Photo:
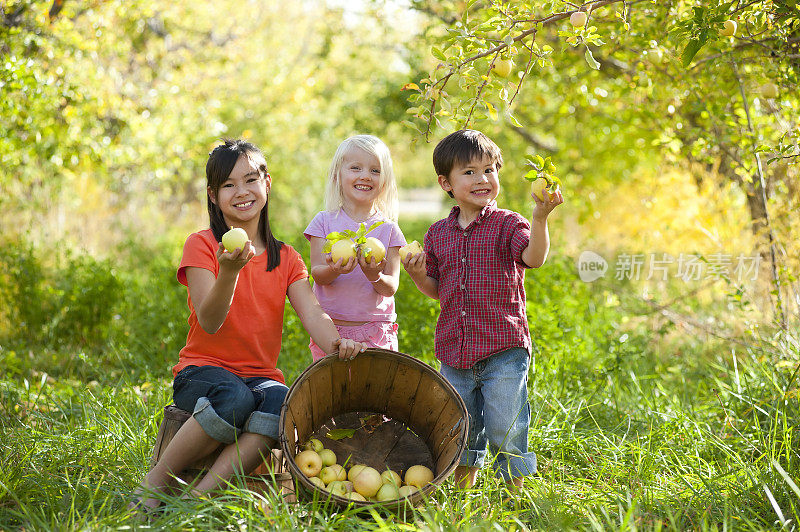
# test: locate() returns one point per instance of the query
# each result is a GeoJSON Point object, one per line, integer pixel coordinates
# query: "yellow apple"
{"type": "Point", "coordinates": [418, 475]}
{"type": "Point", "coordinates": [317, 482]}
{"type": "Point", "coordinates": [234, 239]}
{"type": "Point", "coordinates": [328, 457]}
{"type": "Point", "coordinates": [387, 492]}
{"type": "Point", "coordinates": [769, 90]}
{"type": "Point", "coordinates": [341, 474]}
{"type": "Point", "coordinates": [313, 444]}
{"type": "Point", "coordinates": [537, 185]}
{"type": "Point", "coordinates": [355, 496]}
{"type": "Point", "coordinates": [502, 67]}
{"type": "Point", "coordinates": [414, 248]}
{"type": "Point", "coordinates": [391, 477]}
{"type": "Point", "coordinates": [373, 248]}
{"type": "Point", "coordinates": [309, 462]}
{"type": "Point", "coordinates": [407, 491]}
{"type": "Point", "coordinates": [578, 19]}
{"type": "Point", "coordinates": [343, 250]}
{"type": "Point", "coordinates": [354, 471]}
{"type": "Point", "coordinates": [367, 482]}
{"type": "Point", "coordinates": [728, 29]}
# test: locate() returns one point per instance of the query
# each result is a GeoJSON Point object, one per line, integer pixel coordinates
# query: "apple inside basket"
{"type": "Point", "coordinates": [383, 409]}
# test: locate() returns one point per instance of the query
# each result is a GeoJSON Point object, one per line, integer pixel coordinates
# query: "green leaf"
{"type": "Point", "coordinates": [691, 49]}
{"type": "Point", "coordinates": [591, 60]}
{"type": "Point", "coordinates": [338, 434]}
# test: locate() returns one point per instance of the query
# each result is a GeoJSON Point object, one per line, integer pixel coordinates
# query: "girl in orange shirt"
{"type": "Point", "coordinates": [227, 373]}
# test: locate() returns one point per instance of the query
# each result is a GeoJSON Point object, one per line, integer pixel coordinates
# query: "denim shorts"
{"type": "Point", "coordinates": [226, 405]}
{"type": "Point", "coordinates": [373, 333]}
{"type": "Point", "coordinates": [495, 391]}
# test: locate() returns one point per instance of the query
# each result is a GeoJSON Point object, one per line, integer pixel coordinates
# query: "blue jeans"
{"type": "Point", "coordinates": [225, 405]}
{"type": "Point", "coordinates": [495, 391]}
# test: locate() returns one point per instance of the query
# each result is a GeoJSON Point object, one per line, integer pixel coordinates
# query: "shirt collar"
{"type": "Point", "coordinates": [452, 219]}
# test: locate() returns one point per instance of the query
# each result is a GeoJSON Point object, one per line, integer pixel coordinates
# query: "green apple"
{"type": "Point", "coordinates": [388, 492]}
{"type": "Point", "coordinates": [317, 482]}
{"type": "Point", "coordinates": [337, 487]}
{"type": "Point", "coordinates": [418, 475]}
{"type": "Point", "coordinates": [234, 239]}
{"type": "Point", "coordinates": [343, 250]}
{"type": "Point", "coordinates": [309, 462]}
{"type": "Point", "coordinates": [328, 457]}
{"type": "Point", "coordinates": [578, 19]}
{"type": "Point", "coordinates": [328, 475]}
{"type": "Point", "coordinates": [313, 444]}
{"type": "Point", "coordinates": [373, 248]}
{"type": "Point", "coordinates": [502, 67]}
{"type": "Point", "coordinates": [341, 474]}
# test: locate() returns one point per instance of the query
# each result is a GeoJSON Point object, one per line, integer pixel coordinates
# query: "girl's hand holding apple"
{"type": "Point", "coordinates": [371, 268]}
{"type": "Point", "coordinates": [341, 266]}
{"type": "Point", "coordinates": [236, 259]}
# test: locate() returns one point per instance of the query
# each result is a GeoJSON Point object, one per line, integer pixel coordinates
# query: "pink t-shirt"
{"type": "Point", "coordinates": [351, 296]}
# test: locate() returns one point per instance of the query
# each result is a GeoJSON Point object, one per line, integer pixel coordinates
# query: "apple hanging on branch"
{"type": "Point", "coordinates": [542, 177]}
{"type": "Point", "coordinates": [344, 245]}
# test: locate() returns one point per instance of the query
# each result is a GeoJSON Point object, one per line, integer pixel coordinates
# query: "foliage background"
{"type": "Point", "coordinates": [656, 403]}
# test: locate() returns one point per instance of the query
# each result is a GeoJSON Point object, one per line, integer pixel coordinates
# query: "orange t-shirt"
{"type": "Point", "coordinates": [249, 341]}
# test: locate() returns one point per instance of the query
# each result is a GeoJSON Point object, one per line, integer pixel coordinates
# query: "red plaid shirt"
{"type": "Point", "coordinates": [481, 293]}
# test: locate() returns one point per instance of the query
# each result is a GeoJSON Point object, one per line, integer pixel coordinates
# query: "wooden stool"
{"type": "Point", "coordinates": [270, 472]}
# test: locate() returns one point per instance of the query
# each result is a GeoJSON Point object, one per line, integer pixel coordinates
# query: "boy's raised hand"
{"type": "Point", "coordinates": [543, 207]}
{"type": "Point", "coordinates": [348, 349]}
{"type": "Point", "coordinates": [237, 258]}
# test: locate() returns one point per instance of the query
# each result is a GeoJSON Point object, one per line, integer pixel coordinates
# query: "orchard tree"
{"type": "Point", "coordinates": [700, 84]}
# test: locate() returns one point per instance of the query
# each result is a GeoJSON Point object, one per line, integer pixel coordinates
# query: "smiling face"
{"type": "Point", "coordinates": [360, 178]}
{"type": "Point", "coordinates": [242, 196]}
{"type": "Point", "coordinates": [474, 184]}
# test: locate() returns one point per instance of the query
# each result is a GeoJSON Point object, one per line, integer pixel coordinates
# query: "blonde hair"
{"type": "Point", "coordinates": [387, 201]}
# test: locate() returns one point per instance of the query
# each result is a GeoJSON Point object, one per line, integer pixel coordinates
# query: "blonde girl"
{"type": "Point", "coordinates": [358, 293]}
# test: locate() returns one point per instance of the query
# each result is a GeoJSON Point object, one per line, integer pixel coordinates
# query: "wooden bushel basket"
{"type": "Point", "coordinates": [420, 418]}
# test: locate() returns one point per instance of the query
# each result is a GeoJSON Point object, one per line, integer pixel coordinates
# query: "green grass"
{"type": "Point", "coordinates": [637, 424]}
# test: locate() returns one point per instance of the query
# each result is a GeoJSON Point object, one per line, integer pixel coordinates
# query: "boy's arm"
{"type": "Point", "coordinates": [535, 253]}
{"type": "Point", "coordinates": [416, 266]}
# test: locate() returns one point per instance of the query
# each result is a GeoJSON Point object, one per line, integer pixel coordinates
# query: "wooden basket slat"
{"type": "Point", "coordinates": [384, 379]}
{"type": "Point", "coordinates": [302, 412]}
{"type": "Point", "coordinates": [448, 431]}
{"type": "Point", "coordinates": [404, 390]}
{"type": "Point", "coordinates": [360, 384]}
{"type": "Point", "coordinates": [321, 397]}
{"type": "Point", "coordinates": [430, 401]}
{"type": "Point", "coordinates": [340, 378]}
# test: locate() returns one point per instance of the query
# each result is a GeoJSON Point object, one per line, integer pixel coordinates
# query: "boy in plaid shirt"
{"type": "Point", "coordinates": [474, 264]}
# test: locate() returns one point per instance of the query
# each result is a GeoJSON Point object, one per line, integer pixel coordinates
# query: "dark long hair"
{"type": "Point", "coordinates": [220, 163]}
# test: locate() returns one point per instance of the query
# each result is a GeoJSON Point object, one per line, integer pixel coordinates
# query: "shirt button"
{"type": "Point", "coordinates": [463, 312]}
{"type": "Point", "coordinates": [463, 259]}
{"type": "Point", "coordinates": [462, 286]}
